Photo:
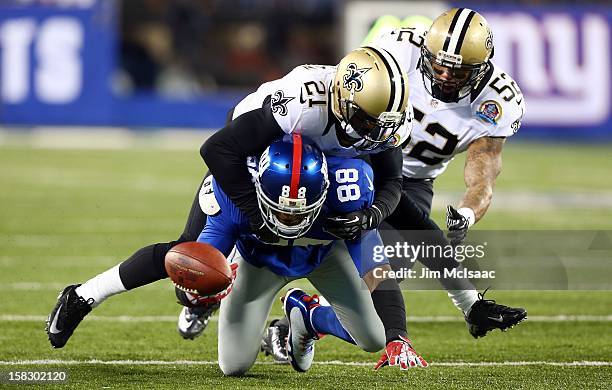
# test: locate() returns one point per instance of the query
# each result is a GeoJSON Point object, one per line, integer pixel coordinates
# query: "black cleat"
{"type": "Point", "coordinates": [66, 316]}
{"type": "Point", "coordinates": [486, 315]}
{"type": "Point", "coordinates": [274, 341]}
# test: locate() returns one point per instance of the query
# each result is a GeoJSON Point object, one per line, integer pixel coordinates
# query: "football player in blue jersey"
{"type": "Point", "coordinates": [358, 107]}
{"type": "Point", "coordinates": [291, 182]}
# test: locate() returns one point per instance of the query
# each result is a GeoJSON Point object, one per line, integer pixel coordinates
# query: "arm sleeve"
{"type": "Point", "coordinates": [387, 167]}
{"type": "Point", "coordinates": [225, 154]}
{"type": "Point", "coordinates": [220, 233]}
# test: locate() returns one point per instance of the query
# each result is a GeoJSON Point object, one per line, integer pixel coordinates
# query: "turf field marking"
{"type": "Point", "coordinates": [56, 286]}
{"type": "Point", "coordinates": [51, 362]}
{"type": "Point", "coordinates": [557, 318]}
{"type": "Point", "coordinates": [20, 286]}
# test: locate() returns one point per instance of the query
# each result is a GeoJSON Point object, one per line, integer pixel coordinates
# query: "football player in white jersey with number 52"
{"type": "Point", "coordinates": [462, 102]}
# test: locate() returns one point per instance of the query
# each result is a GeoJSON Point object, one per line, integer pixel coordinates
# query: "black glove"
{"type": "Point", "coordinates": [457, 225]}
{"type": "Point", "coordinates": [349, 226]}
{"type": "Point", "coordinates": [263, 234]}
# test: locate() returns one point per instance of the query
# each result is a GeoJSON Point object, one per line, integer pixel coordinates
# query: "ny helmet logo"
{"type": "Point", "coordinates": [353, 79]}
{"type": "Point", "coordinates": [279, 102]}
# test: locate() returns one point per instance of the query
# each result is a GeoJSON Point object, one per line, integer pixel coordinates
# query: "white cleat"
{"type": "Point", "coordinates": [301, 339]}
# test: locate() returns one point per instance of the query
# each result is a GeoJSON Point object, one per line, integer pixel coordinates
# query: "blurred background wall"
{"type": "Point", "coordinates": [184, 63]}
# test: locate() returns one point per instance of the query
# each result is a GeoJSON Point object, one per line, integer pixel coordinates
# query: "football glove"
{"type": "Point", "coordinates": [400, 353]}
{"type": "Point", "coordinates": [349, 226]}
{"type": "Point", "coordinates": [458, 222]}
{"type": "Point", "coordinates": [195, 300]}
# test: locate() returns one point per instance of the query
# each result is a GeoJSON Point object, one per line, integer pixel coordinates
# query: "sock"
{"type": "Point", "coordinates": [389, 304]}
{"type": "Point", "coordinates": [102, 286]}
{"type": "Point", "coordinates": [325, 321]}
{"type": "Point", "coordinates": [463, 299]}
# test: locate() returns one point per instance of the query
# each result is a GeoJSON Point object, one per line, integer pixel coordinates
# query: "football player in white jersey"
{"type": "Point", "coordinates": [462, 102]}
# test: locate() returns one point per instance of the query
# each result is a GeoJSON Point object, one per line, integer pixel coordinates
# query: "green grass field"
{"type": "Point", "coordinates": [66, 215]}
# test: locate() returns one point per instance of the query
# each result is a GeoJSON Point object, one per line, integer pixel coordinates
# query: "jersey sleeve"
{"type": "Point", "coordinates": [351, 188]}
{"type": "Point", "coordinates": [500, 106]}
{"type": "Point", "coordinates": [218, 233]}
{"type": "Point", "coordinates": [351, 185]}
{"type": "Point", "coordinates": [299, 100]}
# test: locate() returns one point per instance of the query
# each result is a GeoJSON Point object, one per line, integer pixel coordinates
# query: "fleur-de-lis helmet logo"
{"type": "Point", "coordinates": [353, 78]}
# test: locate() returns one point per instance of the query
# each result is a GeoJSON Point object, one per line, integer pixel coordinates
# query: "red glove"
{"type": "Point", "coordinates": [400, 353]}
{"type": "Point", "coordinates": [201, 300]}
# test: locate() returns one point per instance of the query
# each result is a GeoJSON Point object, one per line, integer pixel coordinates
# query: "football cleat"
{"type": "Point", "coordinates": [66, 315]}
{"type": "Point", "coordinates": [486, 315]}
{"type": "Point", "coordinates": [193, 320]}
{"type": "Point", "coordinates": [274, 341]}
{"type": "Point", "coordinates": [301, 338]}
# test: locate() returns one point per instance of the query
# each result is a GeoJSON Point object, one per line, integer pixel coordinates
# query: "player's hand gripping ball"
{"type": "Point", "coordinates": [198, 268]}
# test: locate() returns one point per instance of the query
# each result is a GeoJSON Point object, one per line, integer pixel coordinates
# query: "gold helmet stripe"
{"type": "Point", "coordinates": [457, 30]}
{"type": "Point", "coordinates": [396, 80]}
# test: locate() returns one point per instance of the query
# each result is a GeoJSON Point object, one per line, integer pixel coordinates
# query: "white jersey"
{"type": "Point", "coordinates": [300, 102]}
{"type": "Point", "coordinates": [442, 130]}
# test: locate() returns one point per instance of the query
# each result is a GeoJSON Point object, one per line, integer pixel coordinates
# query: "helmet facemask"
{"type": "Point", "coordinates": [463, 77]}
{"type": "Point", "coordinates": [288, 218]}
{"type": "Point", "coordinates": [367, 131]}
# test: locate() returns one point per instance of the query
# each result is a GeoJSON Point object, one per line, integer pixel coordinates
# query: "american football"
{"type": "Point", "coordinates": [198, 268]}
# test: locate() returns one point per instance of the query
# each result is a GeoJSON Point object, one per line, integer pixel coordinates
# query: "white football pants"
{"type": "Point", "coordinates": [243, 313]}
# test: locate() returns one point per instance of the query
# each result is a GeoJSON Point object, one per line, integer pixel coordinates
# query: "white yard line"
{"type": "Point", "coordinates": [52, 362]}
{"type": "Point", "coordinates": [21, 286]}
{"type": "Point", "coordinates": [458, 318]}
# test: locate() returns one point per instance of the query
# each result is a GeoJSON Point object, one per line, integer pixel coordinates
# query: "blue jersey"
{"type": "Point", "coordinates": [351, 189]}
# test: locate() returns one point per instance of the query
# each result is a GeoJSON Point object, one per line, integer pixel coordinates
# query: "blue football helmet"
{"type": "Point", "coordinates": [291, 185]}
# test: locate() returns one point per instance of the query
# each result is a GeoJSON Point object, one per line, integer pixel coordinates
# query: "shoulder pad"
{"type": "Point", "coordinates": [404, 44]}
{"type": "Point", "coordinates": [208, 201]}
{"type": "Point", "coordinates": [500, 105]}
{"type": "Point", "coordinates": [296, 97]}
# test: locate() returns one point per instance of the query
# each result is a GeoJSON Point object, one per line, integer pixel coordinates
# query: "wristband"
{"type": "Point", "coordinates": [468, 213]}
